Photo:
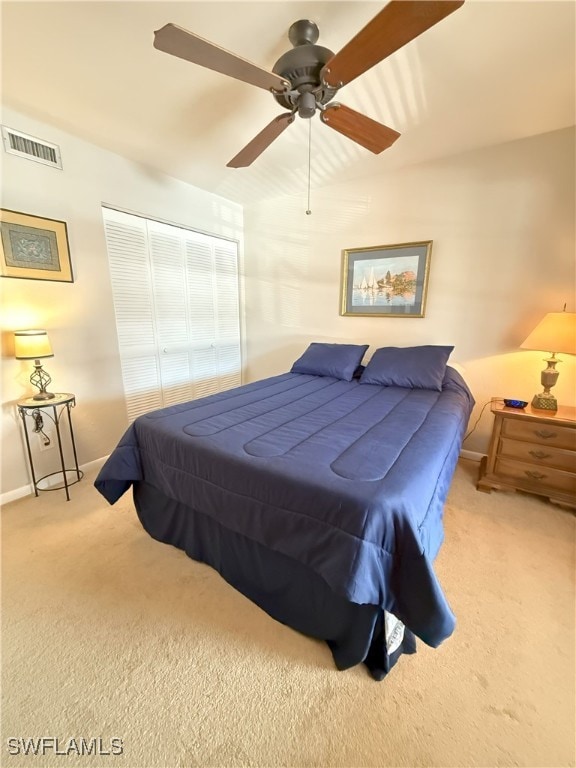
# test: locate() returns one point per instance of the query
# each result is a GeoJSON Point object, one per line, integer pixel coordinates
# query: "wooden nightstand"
{"type": "Point", "coordinates": [532, 450]}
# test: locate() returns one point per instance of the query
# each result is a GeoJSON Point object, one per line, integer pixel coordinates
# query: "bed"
{"type": "Point", "coordinates": [317, 493]}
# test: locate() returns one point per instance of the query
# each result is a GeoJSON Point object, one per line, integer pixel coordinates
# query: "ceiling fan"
{"type": "Point", "coordinates": [306, 78]}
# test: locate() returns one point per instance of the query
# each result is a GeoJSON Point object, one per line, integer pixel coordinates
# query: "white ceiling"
{"type": "Point", "coordinates": [493, 71]}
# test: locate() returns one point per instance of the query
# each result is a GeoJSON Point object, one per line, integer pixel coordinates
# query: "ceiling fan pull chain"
{"type": "Point", "coordinates": [308, 211]}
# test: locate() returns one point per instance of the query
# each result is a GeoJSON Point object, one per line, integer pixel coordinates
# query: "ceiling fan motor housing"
{"type": "Point", "coordinates": [302, 66]}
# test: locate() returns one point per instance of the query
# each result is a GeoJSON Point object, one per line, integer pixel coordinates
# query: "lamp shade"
{"type": "Point", "coordinates": [556, 332]}
{"type": "Point", "coordinates": [32, 345]}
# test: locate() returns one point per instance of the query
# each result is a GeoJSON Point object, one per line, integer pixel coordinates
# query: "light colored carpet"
{"type": "Point", "coordinates": [109, 633]}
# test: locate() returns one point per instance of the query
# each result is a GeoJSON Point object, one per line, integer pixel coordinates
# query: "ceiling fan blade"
{"type": "Point", "coordinates": [398, 23]}
{"type": "Point", "coordinates": [259, 143]}
{"type": "Point", "coordinates": [186, 45]}
{"type": "Point", "coordinates": [361, 129]}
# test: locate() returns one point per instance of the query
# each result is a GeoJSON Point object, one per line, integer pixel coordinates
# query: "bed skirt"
{"type": "Point", "coordinates": [285, 589]}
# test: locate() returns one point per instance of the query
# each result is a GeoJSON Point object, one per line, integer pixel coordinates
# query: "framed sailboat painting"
{"type": "Point", "coordinates": [386, 280]}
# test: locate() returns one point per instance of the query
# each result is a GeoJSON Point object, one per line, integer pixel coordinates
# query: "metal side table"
{"type": "Point", "coordinates": [35, 410]}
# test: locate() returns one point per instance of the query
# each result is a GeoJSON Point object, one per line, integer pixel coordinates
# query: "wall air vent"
{"type": "Point", "coordinates": [18, 143]}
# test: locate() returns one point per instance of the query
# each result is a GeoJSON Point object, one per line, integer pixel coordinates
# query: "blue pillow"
{"type": "Point", "coordinates": [337, 360]}
{"type": "Point", "coordinates": [409, 367]}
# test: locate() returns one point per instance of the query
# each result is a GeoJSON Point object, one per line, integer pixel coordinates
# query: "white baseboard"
{"type": "Point", "coordinates": [17, 493]}
{"type": "Point", "coordinates": [28, 490]}
{"type": "Point", "coordinates": [472, 455]}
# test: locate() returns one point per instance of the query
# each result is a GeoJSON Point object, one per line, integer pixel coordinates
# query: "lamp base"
{"type": "Point", "coordinates": [40, 378]}
{"type": "Point", "coordinates": [43, 396]}
{"type": "Point", "coordinates": [545, 402]}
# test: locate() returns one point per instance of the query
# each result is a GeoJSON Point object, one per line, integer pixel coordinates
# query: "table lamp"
{"type": "Point", "coordinates": [556, 331]}
{"type": "Point", "coordinates": [34, 345]}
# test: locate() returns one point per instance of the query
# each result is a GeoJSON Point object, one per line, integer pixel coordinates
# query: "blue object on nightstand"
{"type": "Point", "coordinates": [515, 403]}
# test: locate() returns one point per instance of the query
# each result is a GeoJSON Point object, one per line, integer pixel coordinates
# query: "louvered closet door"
{"type": "Point", "coordinates": [201, 284]}
{"type": "Point", "coordinates": [212, 279]}
{"type": "Point", "coordinates": [227, 314]}
{"type": "Point", "coordinates": [132, 289]}
{"type": "Point", "coordinates": [183, 285]}
{"type": "Point", "coordinates": [171, 310]}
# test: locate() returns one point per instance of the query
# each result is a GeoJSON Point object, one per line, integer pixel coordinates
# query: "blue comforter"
{"type": "Point", "coordinates": [349, 479]}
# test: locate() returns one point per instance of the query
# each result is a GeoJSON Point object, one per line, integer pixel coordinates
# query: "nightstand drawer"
{"type": "Point", "coordinates": [544, 455]}
{"type": "Point", "coordinates": [543, 434]}
{"type": "Point", "coordinates": [532, 477]}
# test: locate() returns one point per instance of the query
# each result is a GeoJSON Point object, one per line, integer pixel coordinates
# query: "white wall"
{"type": "Point", "coordinates": [502, 224]}
{"type": "Point", "coordinates": [79, 316]}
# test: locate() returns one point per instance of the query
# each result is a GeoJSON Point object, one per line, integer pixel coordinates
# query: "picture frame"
{"type": "Point", "coordinates": [386, 280]}
{"type": "Point", "coordinates": [34, 247]}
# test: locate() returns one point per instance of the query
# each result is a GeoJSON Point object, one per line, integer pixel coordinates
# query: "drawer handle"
{"type": "Point", "coordinates": [534, 475]}
{"type": "Point", "coordinates": [544, 434]}
{"type": "Point", "coordinates": [540, 454]}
